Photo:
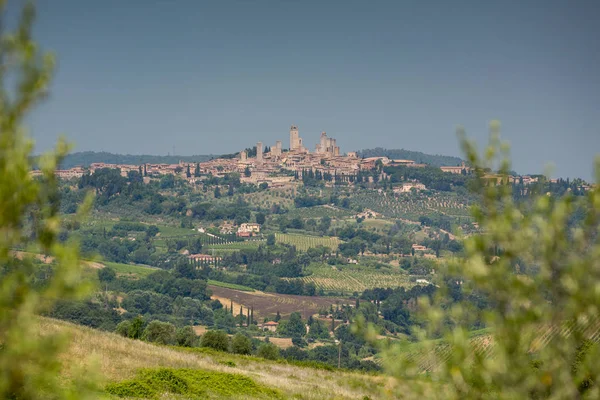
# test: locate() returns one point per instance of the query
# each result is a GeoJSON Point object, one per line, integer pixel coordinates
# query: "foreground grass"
{"type": "Point", "coordinates": [118, 359]}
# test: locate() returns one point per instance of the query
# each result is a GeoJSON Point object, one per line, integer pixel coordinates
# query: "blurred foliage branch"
{"type": "Point", "coordinates": [29, 218]}
{"type": "Point", "coordinates": [540, 274]}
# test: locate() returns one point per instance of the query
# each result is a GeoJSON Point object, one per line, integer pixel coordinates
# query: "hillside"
{"type": "Point", "coordinates": [435, 160]}
{"type": "Point", "coordinates": [118, 359]}
{"type": "Point", "coordinates": [85, 158]}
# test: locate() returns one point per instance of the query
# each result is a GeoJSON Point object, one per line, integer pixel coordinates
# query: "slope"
{"type": "Point", "coordinates": [120, 359]}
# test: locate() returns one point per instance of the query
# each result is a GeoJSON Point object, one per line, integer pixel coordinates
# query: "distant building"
{"type": "Point", "coordinates": [204, 257]}
{"type": "Point", "coordinates": [270, 326]}
{"type": "Point", "coordinates": [259, 152]}
{"type": "Point", "coordinates": [295, 140]}
{"type": "Point", "coordinates": [327, 146]}
{"type": "Point", "coordinates": [227, 228]}
{"type": "Point", "coordinates": [457, 170]}
{"type": "Point", "coordinates": [408, 186]}
{"type": "Point", "coordinates": [419, 247]}
{"type": "Point", "coordinates": [248, 229]}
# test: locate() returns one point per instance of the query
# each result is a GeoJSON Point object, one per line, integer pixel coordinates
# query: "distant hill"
{"type": "Point", "coordinates": [85, 158]}
{"type": "Point", "coordinates": [418, 157]}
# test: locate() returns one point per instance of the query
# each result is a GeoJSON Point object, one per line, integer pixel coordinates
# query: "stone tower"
{"type": "Point", "coordinates": [294, 138]}
{"type": "Point", "coordinates": [259, 152]}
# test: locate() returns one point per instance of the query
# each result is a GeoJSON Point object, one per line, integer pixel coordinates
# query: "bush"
{"type": "Point", "coordinates": [217, 340]}
{"type": "Point", "coordinates": [240, 344]}
{"type": "Point", "coordinates": [299, 342]}
{"type": "Point", "coordinates": [160, 332]}
{"type": "Point", "coordinates": [123, 328]}
{"type": "Point", "coordinates": [106, 274]}
{"type": "Point", "coordinates": [186, 337]}
{"type": "Point", "coordinates": [268, 351]}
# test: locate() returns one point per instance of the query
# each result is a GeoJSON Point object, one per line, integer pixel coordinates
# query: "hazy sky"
{"type": "Point", "coordinates": [142, 76]}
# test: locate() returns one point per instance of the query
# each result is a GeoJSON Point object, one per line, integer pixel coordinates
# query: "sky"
{"type": "Point", "coordinates": [212, 77]}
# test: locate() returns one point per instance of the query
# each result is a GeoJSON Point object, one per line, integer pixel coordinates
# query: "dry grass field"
{"type": "Point", "coordinates": [114, 359]}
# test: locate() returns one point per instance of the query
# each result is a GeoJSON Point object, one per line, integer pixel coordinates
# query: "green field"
{"type": "Point", "coordinates": [130, 269]}
{"type": "Point", "coordinates": [320, 212]}
{"type": "Point", "coordinates": [230, 286]}
{"type": "Point", "coordinates": [304, 242]}
{"type": "Point", "coordinates": [348, 279]}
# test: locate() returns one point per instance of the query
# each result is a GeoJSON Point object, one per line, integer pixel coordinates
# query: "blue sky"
{"type": "Point", "coordinates": [144, 76]}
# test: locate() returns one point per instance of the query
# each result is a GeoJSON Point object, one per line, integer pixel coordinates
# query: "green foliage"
{"type": "Point", "coordinates": [186, 337]}
{"type": "Point", "coordinates": [189, 383]}
{"type": "Point", "coordinates": [293, 327]}
{"type": "Point", "coordinates": [230, 286]}
{"type": "Point", "coordinates": [241, 344]}
{"type": "Point", "coordinates": [106, 274]}
{"type": "Point", "coordinates": [217, 340]}
{"type": "Point", "coordinates": [160, 332]}
{"type": "Point", "coordinates": [29, 363]}
{"type": "Point", "coordinates": [416, 156]}
{"type": "Point", "coordinates": [268, 351]}
{"type": "Point", "coordinates": [540, 274]}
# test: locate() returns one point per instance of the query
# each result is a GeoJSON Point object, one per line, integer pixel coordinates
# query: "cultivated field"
{"type": "Point", "coordinates": [350, 279]}
{"type": "Point", "coordinates": [304, 242]}
{"type": "Point", "coordinates": [267, 304]}
{"type": "Point", "coordinates": [412, 206]}
{"type": "Point", "coordinates": [319, 212]}
{"type": "Point", "coordinates": [130, 270]}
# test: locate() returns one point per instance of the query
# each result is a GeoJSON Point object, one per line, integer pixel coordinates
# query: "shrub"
{"type": "Point", "coordinates": [241, 344]}
{"type": "Point", "coordinates": [268, 351]}
{"type": "Point", "coordinates": [536, 266]}
{"type": "Point", "coordinates": [190, 383]}
{"type": "Point", "coordinates": [123, 328]}
{"type": "Point", "coordinates": [160, 332]}
{"type": "Point", "coordinates": [186, 337]}
{"type": "Point", "coordinates": [106, 274]}
{"type": "Point", "coordinates": [217, 340]}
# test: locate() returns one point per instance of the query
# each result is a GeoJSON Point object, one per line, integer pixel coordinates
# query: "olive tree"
{"type": "Point", "coordinates": [537, 264]}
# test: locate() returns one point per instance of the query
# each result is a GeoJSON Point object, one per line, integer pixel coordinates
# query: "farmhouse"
{"type": "Point", "coordinates": [408, 186]}
{"type": "Point", "coordinates": [248, 229]}
{"type": "Point", "coordinates": [226, 228]}
{"type": "Point", "coordinates": [419, 247]}
{"type": "Point", "coordinates": [366, 214]}
{"type": "Point", "coordinates": [204, 257]}
{"type": "Point", "coordinates": [270, 326]}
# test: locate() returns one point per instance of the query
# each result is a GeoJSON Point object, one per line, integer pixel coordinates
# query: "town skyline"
{"type": "Point", "coordinates": [204, 76]}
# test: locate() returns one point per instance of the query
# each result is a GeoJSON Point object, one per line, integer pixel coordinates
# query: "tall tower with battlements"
{"type": "Point", "coordinates": [294, 138]}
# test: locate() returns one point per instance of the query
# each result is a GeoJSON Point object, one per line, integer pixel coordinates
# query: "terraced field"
{"type": "Point", "coordinates": [411, 206]}
{"type": "Point", "coordinates": [304, 242]}
{"type": "Point", "coordinates": [355, 279]}
{"type": "Point", "coordinates": [320, 212]}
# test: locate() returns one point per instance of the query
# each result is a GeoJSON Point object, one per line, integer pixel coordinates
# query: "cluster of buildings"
{"type": "Point", "coordinates": [277, 166]}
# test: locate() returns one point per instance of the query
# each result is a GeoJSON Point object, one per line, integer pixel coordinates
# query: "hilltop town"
{"type": "Point", "coordinates": [276, 166]}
